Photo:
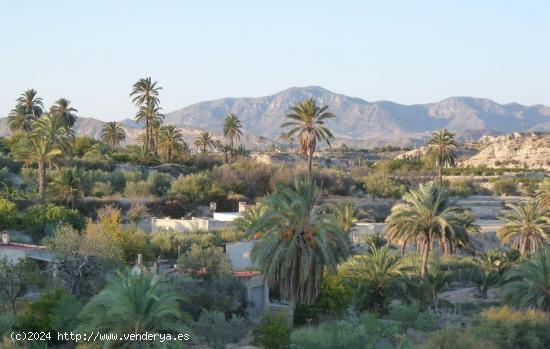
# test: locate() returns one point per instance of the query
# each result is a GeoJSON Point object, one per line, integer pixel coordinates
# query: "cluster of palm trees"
{"type": "Point", "coordinates": [232, 130]}
{"type": "Point", "coordinates": [41, 138]}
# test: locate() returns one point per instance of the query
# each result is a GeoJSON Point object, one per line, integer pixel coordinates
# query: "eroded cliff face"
{"type": "Point", "coordinates": [514, 150]}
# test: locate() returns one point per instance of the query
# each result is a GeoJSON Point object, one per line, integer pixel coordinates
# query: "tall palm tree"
{"type": "Point", "coordinates": [133, 304]}
{"type": "Point", "coordinates": [374, 272]}
{"type": "Point", "coordinates": [33, 105]}
{"type": "Point", "coordinates": [67, 185]}
{"type": "Point", "coordinates": [145, 96]}
{"type": "Point", "coordinates": [441, 150]}
{"type": "Point", "coordinates": [153, 119]}
{"type": "Point", "coordinates": [526, 228]}
{"type": "Point", "coordinates": [204, 142]}
{"type": "Point", "coordinates": [113, 134]}
{"type": "Point", "coordinates": [226, 150]}
{"type": "Point", "coordinates": [19, 120]}
{"type": "Point", "coordinates": [232, 129]}
{"type": "Point", "coordinates": [170, 141]}
{"type": "Point", "coordinates": [422, 217]}
{"type": "Point", "coordinates": [299, 243]}
{"type": "Point", "coordinates": [62, 109]}
{"type": "Point", "coordinates": [48, 140]}
{"type": "Point", "coordinates": [528, 285]}
{"type": "Point", "coordinates": [307, 120]}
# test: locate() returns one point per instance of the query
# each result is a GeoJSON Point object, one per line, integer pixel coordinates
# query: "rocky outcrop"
{"type": "Point", "coordinates": [514, 150]}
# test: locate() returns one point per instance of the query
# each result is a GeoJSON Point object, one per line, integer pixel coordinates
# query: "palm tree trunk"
{"type": "Point", "coordinates": [425, 258]}
{"type": "Point", "coordinates": [291, 309]}
{"type": "Point", "coordinates": [147, 133]}
{"type": "Point", "coordinates": [41, 180]}
{"type": "Point", "coordinates": [310, 159]}
{"type": "Point", "coordinates": [440, 175]}
{"type": "Point", "coordinates": [230, 147]}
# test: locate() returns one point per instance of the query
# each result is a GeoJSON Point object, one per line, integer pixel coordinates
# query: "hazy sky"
{"type": "Point", "coordinates": [405, 51]}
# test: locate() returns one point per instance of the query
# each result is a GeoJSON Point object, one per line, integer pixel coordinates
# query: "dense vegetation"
{"type": "Point", "coordinates": [87, 201]}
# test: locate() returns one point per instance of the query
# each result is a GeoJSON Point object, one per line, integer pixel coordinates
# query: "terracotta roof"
{"type": "Point", "coordinates": [246, 274]}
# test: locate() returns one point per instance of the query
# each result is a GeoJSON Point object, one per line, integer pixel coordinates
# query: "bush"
{"type": "Point", "coordinates": [335, 296]}
{"type": "Point", "coordinates": [196, 187]}
{"type": "Point", "coordinates": [55, 310]}
{"type": "Point", "coordinates": [158, 183]}
{"type": "Point", "coordinates": [137, 189]}
{"type": "Point", "coordinates": [411, 316]}
{"type": "Point", "coordinates": [272, 332]}
{"type": "Point", "coordinates": [8, 214]}
{"type": "Point", "coordinates": [505, 186]}
{"type": "Point", "coordinates": [219, 331]}
{"type": "Point", "coordinates": [383, 186]}
{"type": "Point", "coordinates": [222, 293]}
{"type": "Point", "coordinates": [453, 338]}
{"type": "Point", "coordinates": [509, 328]}
{"type": "Point", "coordinates": [101, 189]}
{"type": "Point", "coordinates": [204, 261]}
{"type": "Point", "coordinates": [43, 219]}
{"type": "Point", "coordinates": [339, 334]}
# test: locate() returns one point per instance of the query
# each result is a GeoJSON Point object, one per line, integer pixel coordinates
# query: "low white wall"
{"type": "Point", "coordinates": [184, 225]}
{"type": "Point", "coordinates": [363, 229]}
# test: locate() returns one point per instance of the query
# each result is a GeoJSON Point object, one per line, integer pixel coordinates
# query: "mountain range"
{"type": "Point", "coordinates": [358, 122]}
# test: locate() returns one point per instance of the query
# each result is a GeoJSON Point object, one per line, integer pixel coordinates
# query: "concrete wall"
{"type": "Point", "coordinates": [184, 225]}
{"type": "Point", "coordinates": [239, 254]}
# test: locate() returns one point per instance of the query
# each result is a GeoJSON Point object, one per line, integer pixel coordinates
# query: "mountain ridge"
{"type": "Point", "coordinates": [359, 122]}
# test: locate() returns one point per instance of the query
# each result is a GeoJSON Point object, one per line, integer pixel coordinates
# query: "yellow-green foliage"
{"type": "Point", "coordinates": [510, 328]}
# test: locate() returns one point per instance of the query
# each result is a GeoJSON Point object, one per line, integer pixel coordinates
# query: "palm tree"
{"type": "Point", "coordinates": [241, 151]}
{"type": "Point", "coordinates": [170, 141]}
{"type": "Point", "coordinates": [422, 217]}
{"type": "Point", "coordinates": [48, 140]}
{"type": "Point", "coordinates": [145, 93]}
{"type": "Point", "coordinates": [204, 142]}
{"type": "Point", "coordinates": [347, 214]}
{"type": "Point", "coordinates": [232, 129]}
{"type": "Point", "coordinates": [67, 186]}
{"type": "Point", "coordinates": [528, 285]}
{"type": "Point", "coordinates": [441, 150]}
{"type": "Point", "coordinates": [490, 269]}
{"type": "Point", "coordinates": [374, 272]}
{"type": "Point", "coordinates": [143, 156]}
{"type": "Point", "coordinates": [463, 223]}
{"type": "Point", "coordinates": [299, 243]}
{"type": "Point", "coordinates": [62, 109]}
{"type": "Point", "coordinates": [19, 120]}
{"type": "Point", "coordinates": [247, 219]}
{"type": "Point", "coordinates": [133, 304]}
{"type": "Point", "coordinates": [308, 121]}
{"type": "Point", "coordinates": [33, 105]}
{"type": "Point", "coordinates": [225, 149]}
{"type": "Point", "coordinates": [113, 134]}
{"type": "Point", "coordinates": [526, 228]}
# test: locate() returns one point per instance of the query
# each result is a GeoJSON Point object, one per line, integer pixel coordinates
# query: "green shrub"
{"type": "Point", "coordinates": [221, 293]}
{"type": "Point", "coordinates": [159, 183]}
{"type": "Point", "coordinates": [137, 189]}
{"type": "Point", "coordinates": [506, 186]}
{"type": "Point", "coordinates": [194, 187]}
{"type": "Point", "coordinates": [335, 296]}
{"type": "Point", "coordinates": [101, 189]}
{"type": "Point", "coordinates": [339, 334]}
{"type": "Point", "coordinates": [272, 332]}
{"type": "Point", "coordinates": [42, 220]}
{"type": "Point", "coordinates": [219, 331]}
{"type": "Point", "coordinates": [411, 316]}
{"type": "Point", "coordinates": [204, 261]}
{"type": "Point", "coordinates": [383, 186]}
{"type": "Point", "coordinates": [55, 310]}
{"type": "Point", "coordinates": [509, 328]}
{"type": "Point", "coordinates": [453, 338]}
{"type": "Point", "coordinates": [8, 214]}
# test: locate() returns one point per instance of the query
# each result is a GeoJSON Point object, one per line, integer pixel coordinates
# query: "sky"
{"type": "Point", "coordinates": [91, 52]}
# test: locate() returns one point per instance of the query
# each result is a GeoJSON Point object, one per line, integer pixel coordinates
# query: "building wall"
{"type": "Point", "coordinates": [239, 254]}
{"type": "Point", "coordinates": [184, 225]}
{"type": "Point", "coordinates": [362, 229]}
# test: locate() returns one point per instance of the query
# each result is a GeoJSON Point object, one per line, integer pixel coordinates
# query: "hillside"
{"type": "Point", "coordinates": [359, 123]}
{"type": "Point", "coordinates": [517, 150]}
